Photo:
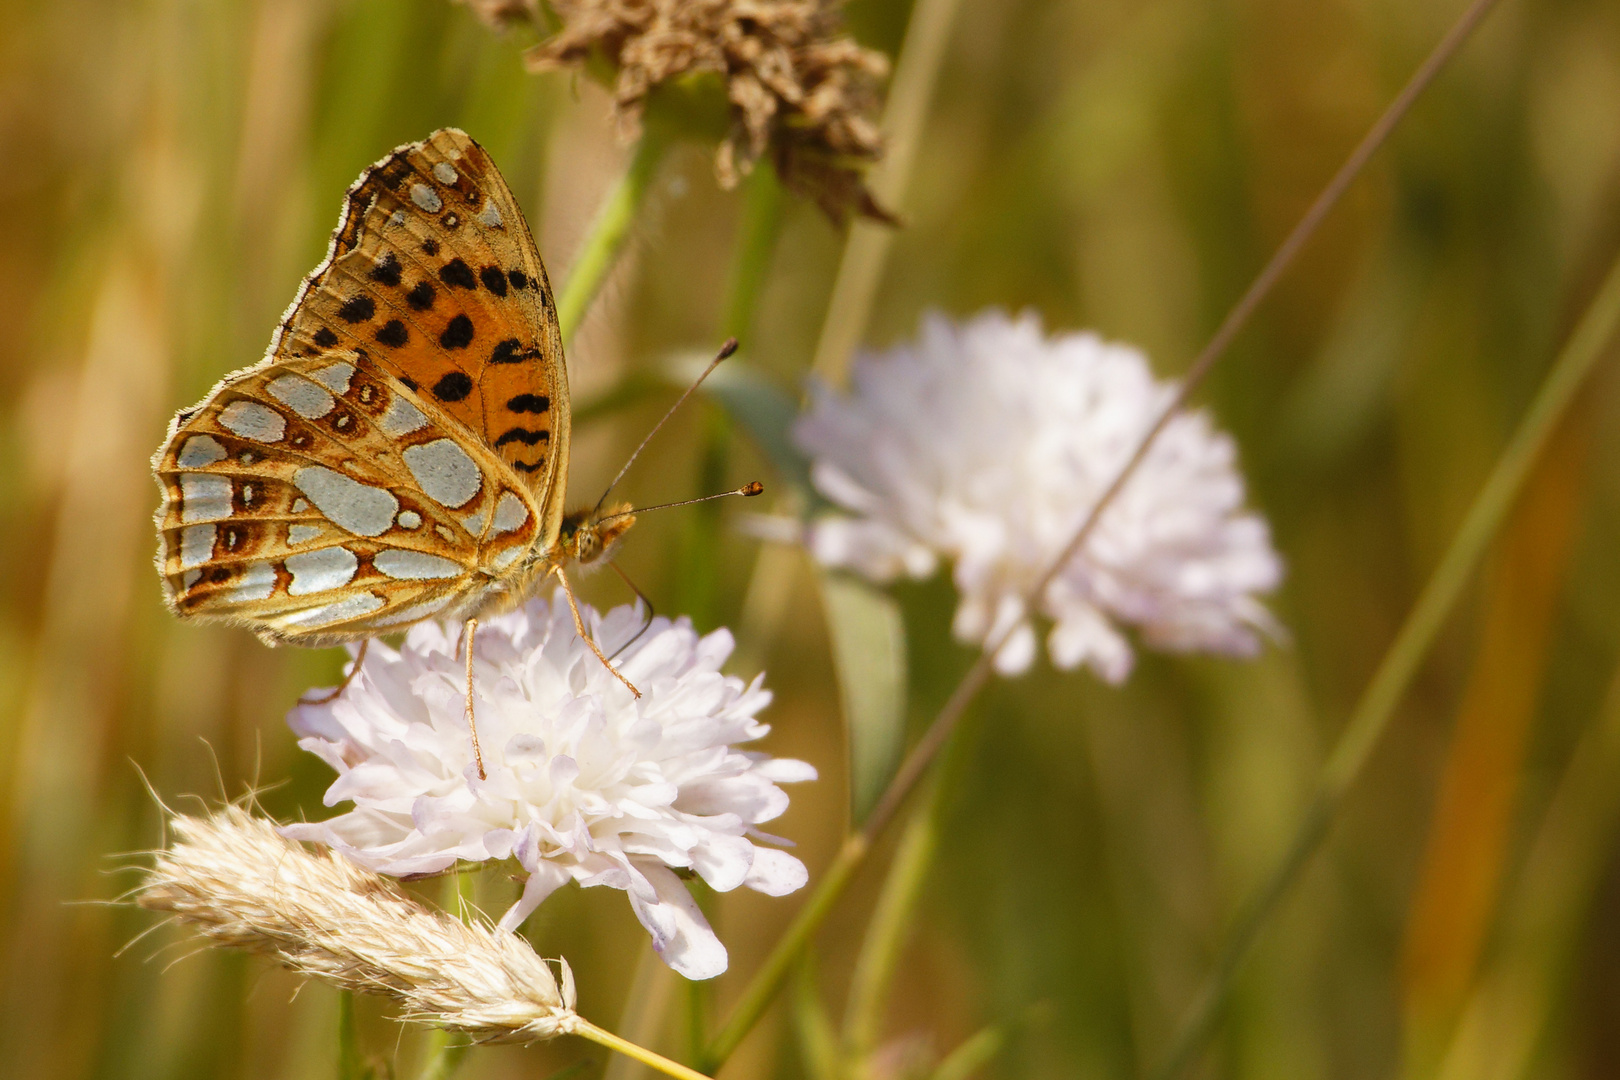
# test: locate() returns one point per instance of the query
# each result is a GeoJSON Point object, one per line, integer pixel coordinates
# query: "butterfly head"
{"type": "Point", "coordinates": [589, 534]}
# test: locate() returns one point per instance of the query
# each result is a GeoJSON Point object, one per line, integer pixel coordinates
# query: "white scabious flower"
{"type": "Point", "coordinates": [987, 443]}
{"type": "Point", "coordinates": [583, 780]}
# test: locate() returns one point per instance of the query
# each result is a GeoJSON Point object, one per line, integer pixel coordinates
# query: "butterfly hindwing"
{"type": "Point", "coordinates": [318, 500]}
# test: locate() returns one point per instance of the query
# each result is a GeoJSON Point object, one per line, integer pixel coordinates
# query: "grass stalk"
{"type": "Point", "coordinates": [1406, 653]}
{"type": "Point", "coordinates": [768, 980]}
{"type": "Point", "coordinates": [1511, 1006]}
{"type": "Point", "coordinates": [587, 1030]}
{"type": "Point", "coordinates": [608, 233]}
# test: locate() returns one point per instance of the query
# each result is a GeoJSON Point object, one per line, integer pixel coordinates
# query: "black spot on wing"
{"type": "Point", "coordinates": [455, 272]}
{"type": "Point", "coordinates": [421, 295]}
{"type": "Point", "coordinates": [387, 271]}
{"type": "Point", "coordinates": [431, 246]}
{"type": "Point", "coordinates": [357, 309]}
{"type": "Point", "coordinates": [523, 466]}
{"type": "Point", "coordinates": [408, 382]}
{"type": "Point", "coordinates": [519, 279]}
{"type": "Point", "coordinates": [524, 436]}
{"type": "Point", "coordinates": [493, 280]}
{"type": "Point", "coordinates": [535, 403]}
{"type": "Point", "coordinates": [453, 387]}
{"type": "Point", "coordinates": [511, 351]}
{"type": "Point", "coordinates": [393, 333]}
{"type": "Point", "coordinates": [325, 338]}
{"type": "Point", "coordinates": [459, 334]}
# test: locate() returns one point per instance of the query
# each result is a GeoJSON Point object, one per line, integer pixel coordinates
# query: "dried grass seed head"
{"type": "Point", "coordinates": [236, 880]}
{"type": "Point", "coordinates": [799, 88]}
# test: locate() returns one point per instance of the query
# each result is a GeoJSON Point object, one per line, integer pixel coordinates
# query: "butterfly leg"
{"type": "Point", "coordinates": [579, 628]}
{"type": "Point", "coordinates": [337, 691]}
{"type": "Point", "coordinates": [472, 728]}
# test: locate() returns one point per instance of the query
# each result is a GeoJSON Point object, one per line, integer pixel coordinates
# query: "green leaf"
{"type": "Point", "coordinates": [869, 652]}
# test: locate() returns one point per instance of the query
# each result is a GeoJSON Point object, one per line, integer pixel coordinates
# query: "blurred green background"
{"type": "Point", "coordinates": [175, 166]}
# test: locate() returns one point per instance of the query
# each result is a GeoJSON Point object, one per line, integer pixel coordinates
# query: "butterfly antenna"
{"type": "Point", "coordinates": [725, 350]}
{"type": "Point", "coordinates": [747, 491]}
{"type": "Point", "coordinates": [651, 611]}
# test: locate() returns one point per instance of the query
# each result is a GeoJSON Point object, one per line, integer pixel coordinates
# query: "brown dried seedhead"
{"type": "Point", "coordinates": [503, 13]}
{"type": "Point", "coordinates": [799, 88]}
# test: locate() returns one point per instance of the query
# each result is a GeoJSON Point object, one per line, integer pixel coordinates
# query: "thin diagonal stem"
{"type": "Point", "coordinates": [768, 980]}
{"type": "Point", "coordinates": [1406, 653]}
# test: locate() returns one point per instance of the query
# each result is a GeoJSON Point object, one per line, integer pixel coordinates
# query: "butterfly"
{"type": "Point", "coordinates": [401, 452]}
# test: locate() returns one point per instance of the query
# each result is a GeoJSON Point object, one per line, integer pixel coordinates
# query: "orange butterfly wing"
{"type": "Point", "coordinates": [400, 453]}
{"type": "Point", "coordinates": [433, 273]}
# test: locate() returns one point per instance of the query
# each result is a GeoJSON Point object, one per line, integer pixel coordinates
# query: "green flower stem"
{"type": "Point", "coordinates": [891, 922]}
{"type": "Point", "coordinates": [768, 980]}
{"type": "Point", "coordinates": [890, 925]}
{"type": "Point", "coordinates": [449, 1050]}
{"type": "Point", "coordinates": [757, 996]}
{"type": "Point", "coordinates": [759, 226]}
{"type": "Point", "coordinates": [605, 242]}
{"type": "Point", "coordinates": [866, 249]}
{"type": "Point", "coordinates": [972, 1055]}
{"type": "Point", "coordinates": [1389, 683]}
{"type": "Point", "coordinates": [642, 1020]}
{"type": "Point", "coordinates": [765, 983]}
{"type": "Point", "coordinates": [351, 1066]}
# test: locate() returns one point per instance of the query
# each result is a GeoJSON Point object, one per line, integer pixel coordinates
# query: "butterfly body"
{"type": "Point", "coordinates": [401, 451]}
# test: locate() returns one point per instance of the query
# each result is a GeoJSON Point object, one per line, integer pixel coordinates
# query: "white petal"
{"type": "Point", "coordinates": [681, 935]}
{"type": "Point", "coordinates": [776, 873]}
{"type": "Point", "coordinates": [544, 880]}
{"type": "Point", "coordinates": [724, 861]}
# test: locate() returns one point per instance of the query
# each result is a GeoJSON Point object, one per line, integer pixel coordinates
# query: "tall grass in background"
{"type": "Point", "coordinates": [1126, 166]}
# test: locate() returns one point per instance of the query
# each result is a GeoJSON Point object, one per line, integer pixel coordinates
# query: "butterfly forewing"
{"type": "Point", "coordinates": [434, 273]}
{"type": "Point", "coordinates": [384, 463]}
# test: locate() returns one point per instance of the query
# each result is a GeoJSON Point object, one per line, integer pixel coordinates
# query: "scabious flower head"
{"type": "Point", "coordinates": [582, 780]}
{"type": "Point", "coordinates": [988, 442]}
{"type": "Point", "coordinates": [798, 88]}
